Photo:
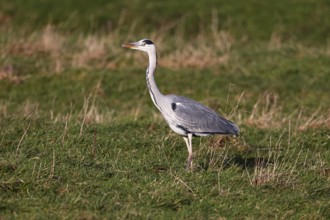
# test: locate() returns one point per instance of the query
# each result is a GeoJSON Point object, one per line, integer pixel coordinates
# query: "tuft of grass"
{"type": "Point", "coordinates": [277, 168]}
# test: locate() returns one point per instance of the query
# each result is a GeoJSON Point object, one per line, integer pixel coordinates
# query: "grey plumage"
{"type": "Point", "coordinates": [184, 116]}
{"type": "Point", "coordinates": [198, 119]}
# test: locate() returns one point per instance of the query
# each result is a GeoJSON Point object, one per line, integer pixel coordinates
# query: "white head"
{"type": "Point", "coordinates": [143, 45]}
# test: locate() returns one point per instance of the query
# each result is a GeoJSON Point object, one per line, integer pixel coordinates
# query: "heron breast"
{"type": "Point", "coordinates": [178, 129]}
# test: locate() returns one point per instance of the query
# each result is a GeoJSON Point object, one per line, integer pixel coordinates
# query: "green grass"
{"type": "Point", "coordinates": [111, 171]}
{"type": "Point", "coordinates": [303, 19]}
{"type": "Point", "coordinates": [81, 139]}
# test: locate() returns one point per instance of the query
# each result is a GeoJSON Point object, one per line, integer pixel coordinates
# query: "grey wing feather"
{"type": "Point", "coordinates": [199, 119]}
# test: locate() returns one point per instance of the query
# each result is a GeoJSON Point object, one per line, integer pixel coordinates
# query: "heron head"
{"type": "Point", "coordinates": [143, 45]}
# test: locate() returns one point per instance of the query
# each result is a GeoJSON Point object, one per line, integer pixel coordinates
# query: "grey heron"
{"type": "Point", "coordinates": [185, 116]}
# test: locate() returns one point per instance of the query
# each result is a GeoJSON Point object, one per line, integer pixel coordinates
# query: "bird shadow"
{"type": "Point", "coordinates": [251, 162]}
{"type": "Point", "coordinates": [238, 160]}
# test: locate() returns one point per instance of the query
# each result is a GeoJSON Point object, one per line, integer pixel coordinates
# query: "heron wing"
{"type": "Point", "coordinates": [198, 119]}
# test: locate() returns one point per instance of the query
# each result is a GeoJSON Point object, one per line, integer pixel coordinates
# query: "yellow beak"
{"type": "Point", "coordinates": [129, 45]}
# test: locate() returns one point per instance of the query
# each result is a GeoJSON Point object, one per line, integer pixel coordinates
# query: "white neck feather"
{"type": "Point", "coordinates": [155, 94]}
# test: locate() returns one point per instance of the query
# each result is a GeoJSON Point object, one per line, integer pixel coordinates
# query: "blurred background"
{"type": "Point", "coordinates": [81, 139]}
{"type": "Point", "coordinates": [253, 20]}
{"type": "Point", "coordinates": [279, 48]}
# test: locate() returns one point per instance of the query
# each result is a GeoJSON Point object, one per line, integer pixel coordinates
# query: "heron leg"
{"type": "Point", "coordinates": [188, 141]}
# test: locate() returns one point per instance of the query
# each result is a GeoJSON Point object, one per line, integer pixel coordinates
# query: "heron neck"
{"type": "Point", "coordinates": [151, 83]}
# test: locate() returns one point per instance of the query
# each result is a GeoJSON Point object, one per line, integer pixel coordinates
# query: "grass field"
{"type": "Point", "coordinates": [81, 139]}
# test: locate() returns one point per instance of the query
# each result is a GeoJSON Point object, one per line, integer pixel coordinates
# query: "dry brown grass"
{"type": "Point", "coordinates": [52, 42]}
{"type": "Point", "coordinates": [265, 111]}
{"type": "Point", "coordinates": [30, 109]}
{"type": "Point", "coordinates": [104, 51]}
{"type": "Point", "coordinates": [7, 73]}
{"type": "Point", "coordinates": [95, 51]}
{"type": "Point", "coordinates": [92, 48]}
{"type": "Point", "coordinates": [316, 120]}
{"type": "Point", "coordinates": [3, 109]}
{"type": "Point", "coordinates": [277, 168]}
{"type": "Point", "coordinates": [191, 56]}
{"type": "Point", "coordinates": [203, 51]}
{"type": "Point", "coordinates": [276, 42]}
{"type": "Point", "coordinates": [268, 113]}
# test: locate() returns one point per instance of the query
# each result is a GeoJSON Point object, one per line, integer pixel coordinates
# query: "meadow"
{"type": "Point", "coordinates": [81, 139]}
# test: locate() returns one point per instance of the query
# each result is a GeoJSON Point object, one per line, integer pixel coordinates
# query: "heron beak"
{"type": "Point", "coordinates": [130, 45]}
